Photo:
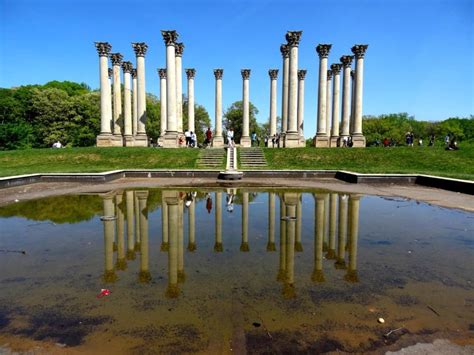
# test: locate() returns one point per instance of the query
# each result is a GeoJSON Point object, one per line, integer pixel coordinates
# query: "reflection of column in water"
{"type": "Point", "coordinates": [271, 222]}
{"type": "Point", "coordinates": [137, 224]}
{"type": "Point", "coordinates": [299, 223]}
{"type": "Point", "coordinates": [181, 275]}
{"type": "Point", "coordinates": [245, 222]}
{"type": "Point", "coordinates": [291, 200]}
{"type": "Point", "coordinates": [282, 269]}
{"type": "Point", "coordinates": [173, 212]}
{"type": "Point", "coordinates": [121, 264]}
{"type": "Point", "coordinates": [192, 226]}
{"type": "Point", "coordinates": [130, 226]}
{"type": "Point", "coordinates": [164, 226]}
{"type": "Point", "coordinates": [331, 254]}
{"type": "Point", "coordinates": [354, 202]}
{"type": "Point", "coordinates": [218, 223]}
{"type": "Point", "coordinates": [342, 233]}
{"type": "Point", "coordinates": [326, 222]}
{"type": "Point", "coordinates": [144, 275]}
{"type": "Point", "coordinates": [318, 275]}
{"type": "Point", "coordinates": [109, 231]}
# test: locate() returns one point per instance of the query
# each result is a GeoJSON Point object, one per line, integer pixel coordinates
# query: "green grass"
{"type": "Point", "coordinates": [422, 160]}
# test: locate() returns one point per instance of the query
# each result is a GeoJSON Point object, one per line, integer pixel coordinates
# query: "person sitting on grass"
{"type": "Point", "coordinates": [453, 145]}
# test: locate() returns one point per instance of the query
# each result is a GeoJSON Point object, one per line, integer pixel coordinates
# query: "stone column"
{"type": "Point", "coordinates": [218, 223]}
{"type": "Point", "coordinates": [318, 275]}
{"type": "Point", "coordinates": [299, 225]}
{"type": "Point", "coordinates": [171, 136]}
{"type": "Point", "coordinates": [181, 274]}
{"type": "Point", "coordinates": [179, 48]}
{"type": "Point", "coordinates": [329, 104]}
{"type": "Point", "coordinates": [144, 275]}
{"type": "Point", "coordinates": [141, 139]}
{"type": "Point", "coordinates": [336, 72]}
{"type": "Point", "coordinates": [273, 101]}
{"type": "Point", "coordinates": [301, 76]}
{"type": "Point", "coordinates": [162, 74]}
{"type": "Point", "coordinates": [322, 137]}
{"type": "Point", "coordinates": [353, 88]}
{"type": "Point", "coordinates": [285, 52]}
{"type": "Point", "coordinates": [292, 138]}
{"type": "Point", "coordinates": [358, 138]}
{"type": "Point", "coordinates": [354, 202]}
{"type": "Point", "coordinates": [331, 254]}
{"type": "Point", "coordinates": [130, 226]}
{"type": "Point", "coordinates": [291, 200]}
{"type": "Point", "coordinates": [137, 222]}
{"type": "Point", "coordinates": [109, 231]}
{"type": "Point", "coordinates": [127, 105]}
{"type": "Point", "coordinates": [245, 222]}
{"type": "Point", "coordinates": [326, 221]}
{"type": "Point", "coordinates": [218, 140]}
{"type": "Point", "coordinates": [116, 59]}
{"type": "Point", "coordinates": [190, 73]}
{"type": "Point", "coordinates": [111, 74]}
{"type": "Point", "coordinates": [342, 233]}
{"type": "Point", "coordinates": [121, 263]}
{"type": "Point", "coordinates": [271, 222]}
{"type": "Point", "coordinates": [172, 202]}
{"type": "Point", "coordinates": [245, 139]}
{"type": "Point", "coordinates": [135, 103]}
{"type": "Point", "coordinates": [346, 61]}
{"type": "Point", "coordinates": [164, 227]}
{"type": "Point", "coordinates": [282, 267]}
{"type": "Point", "coordinates": [192, 226]}
{"type": "Point", "coordinates": [105, 136]}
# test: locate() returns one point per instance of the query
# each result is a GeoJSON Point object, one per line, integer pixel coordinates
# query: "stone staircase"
{"type": "Point", "coordinates": [252, 158]}
{"type": "Point", "coordinates": [211, 158]}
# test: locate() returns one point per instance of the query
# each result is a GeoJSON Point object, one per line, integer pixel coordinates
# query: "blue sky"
{"type": "Point", "coordinates": [420, 58]}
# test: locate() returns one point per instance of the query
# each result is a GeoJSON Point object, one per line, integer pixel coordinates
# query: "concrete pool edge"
{"type": "Point", "coordinates": [450, 184]}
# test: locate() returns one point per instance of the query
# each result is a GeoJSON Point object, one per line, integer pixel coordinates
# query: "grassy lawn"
{"type": "Point", "coordinates": [423, 160]}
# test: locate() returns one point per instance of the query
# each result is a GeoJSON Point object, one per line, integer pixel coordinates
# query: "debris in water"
{"type": "Point", "coordinates": [381, 320]}
{"type": "Point", "coordinates": [256, 324]}
{"type": "Point", "coordinates": [103, 292]}
{"type": "Point", "coordinates": [433, 310]}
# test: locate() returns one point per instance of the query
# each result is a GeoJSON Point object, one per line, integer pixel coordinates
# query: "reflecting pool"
{"type": "Point", "coordinates": [233, 270]}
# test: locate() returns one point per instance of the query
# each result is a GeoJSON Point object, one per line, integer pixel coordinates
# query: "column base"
{"type": "Point", "coordinates": [141, 140]}
{"type": "Point", "coordinates": [302, 142]}
{"type": "Point", "coordinates": [109, 140]}
{"type": "Point", "coordinates": [321, 141]}
{"type": "Point", "coordinates": [282, 140]}
{"type": "Point", "coordinates": [217, 142]}
{"type": "Point", "coordinates": [160, 141]}
{"type": "Point", "coordinates": [170, 140]}
{"type": "Point", "coordinates": [358, 141]}
{"type": "Point", "coordinates": [129, 141]}
{"type": "Point", "coordinates": [292, 140]}
{"type": "Point", "coordinates": [245, 142]}
{"type": "Point", "coordinates": [334, 142]}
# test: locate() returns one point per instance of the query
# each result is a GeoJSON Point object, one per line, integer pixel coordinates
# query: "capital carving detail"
{"type": "Point", "coordinates": [134, 73]}
{"type": "Point", "coordinates": [359, 50]}
{"type": "Point", "coordinates": [116, 58]}
{"type": "Point", "coordinates": [127, 67]}
{"type": "Point", "coordinates": [285, 50]}
{"type": "Point", "coordinates": [170, 37]}
{"type": "Point", "coordinates": [103, 48]}
{"type": "Point", "coordinates": [301, 74]}
{"type": "Point", "coordinates": [336, 69]}
{"type": "Point", "coordinates": [190, 73]}
{"type": "Point", "coordinates": [218, 73]}
{"type": "Point", "coordinates": [293, 38]}
{"type": "Point", "coordinates": [346, 60]}
{"type": "Point", "coordinates": [110, 72]}
{"type": "Point", "coordinates": [245, 74]}
{"type": "Point", "coordinates": [329, 75]}
{"type": "Point", "coordinates": [140, 48]}
{"type": "Point", "coordinates": [162, 73]}
{"type": "Point", "coordinates": [323, 50]}
{"type": "Point", "coordinates": [179, 48]}
{"type": "Point", "coordinates": [273, 74]}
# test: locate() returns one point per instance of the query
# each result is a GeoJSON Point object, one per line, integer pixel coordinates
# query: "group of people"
{"type": "Point", "coordinates": [229, 201]}
{"type": "Point", "coordinates": [190, 139]}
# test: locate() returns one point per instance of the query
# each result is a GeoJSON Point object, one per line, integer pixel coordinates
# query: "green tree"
{"type": "Point", "coordinates": [233, 117]}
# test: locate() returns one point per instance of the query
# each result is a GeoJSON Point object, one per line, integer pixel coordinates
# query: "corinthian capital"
{"type": "Point", "coordinates": [116, 58]}
{"type": "Point", "coordinates": [323, 50]}
{"type": "Point", "coordinates": [170, 37]}
{"type": "Point", "coordinates": [359, 50]}
{"type": "Point", "coordinates": [245, 74]}
{"type": "Point", "coordinates": [134, 73]}
{"type": "Point", "coordinates": [140, 48]}
{"type": "Point", "coordinates": [273, 74]}
{"type": "Point", "coordinates": [346, 60]}
{"type": "Point", "coordinates": [110, 72]}
{"type": "Point", "coordinates": [162, 73]}
{"type": "Point", "coordinates": [301, 74]}
{"type": "Point", "coordinates": [127, 67]}
{"type": "Point", "coordinates": [103, 48]}
{"type": "Point", "coordinates": [293, 38]}
{"type": "Point", "coordinates": [329, 75]}
{"type": "Point", "coordinates": [179, 49]}
{"type": "Point", "coordinates": [285, 50]}
{"type": "Point", "coordinates": [336, 69]}
{"type": "Point", "coordinates": [190, 73]}
{"type": "Point", "coordinates": [218, 73]}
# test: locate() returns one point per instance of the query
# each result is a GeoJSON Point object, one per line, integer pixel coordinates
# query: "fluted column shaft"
{"type": "Point", "coordinates": [353, 101]}
{"type": "Point", "coordinates": [293, 90]}
{"type": "Point", "coordinates": [318, 275]}
{"type": "Point", "coordinates": [105, 97]}
{"type": "Point", "coordinates": [142, 202]}
{"type": "Point", "coordinates": [342, 231]}
{"type": "Point", "coordinates": [273, 101]}
{"type": "Point", "coordinates": [359, 51]}
{"type": "Point", "coordinates": [245, 139]}
{"type": "Point", "coordinates": [332, 227]}
{"type": "Point", "coordinates": [328, 102]}
{"type": "Point", "coordinates": [109, 231]}
{"type": "Point", "coordinates": [127, 119]}
{"type": "Point", "coordinates": [164, 227]}
{"type": "Point", "coordinates": [117, 89]}
{"type": "Point", "coordinates": [173, 247]}
{"type": "Point", "coordinates": [271, 222]}
{"type": "Point", "coordinates": [218, 223]}
{"type": "Point", "coordinates": [171, 122]}
{"type": "Point", "coordinates": [336, 72]}
{"type": "Point", "coordinates": [180, 242]}
{"type": "Point", "coordinates": [217, 140]}
{"type": "Point", "coordinates": [130, 224]}
{"type": "Point", "coordinates": [163, 103]}
{"type": "Point", "coordinates": [285, 51]}
{"type": "Point", "coordinates": [322, 139]}
{"type": "Point", "coordinates": [245, 222]}
{"type": "Point", "coordinates": [190, 75]}
{"type": "Point", "coordinates": [135, 103]}
{"type": "Point", "coordinates": [179, 88]}
{"type": "Point", "coordinates": [346, 61]}
{"type": "Point", "coordinates": [120, 231]}
{"type": "Point", "coordinates": [192, 226]}
{"type": "Point", "coordinates": [282, 261]}
{"type": "Point", "coordinates": [301, 76]}
{"type": "Point", "coordinates": [290, 247]}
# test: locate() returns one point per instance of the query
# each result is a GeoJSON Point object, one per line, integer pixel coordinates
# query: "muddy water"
{"type": "Point", "coordinates": [232, 271]}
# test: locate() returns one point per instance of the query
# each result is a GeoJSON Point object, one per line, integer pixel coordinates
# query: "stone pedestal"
{"type": "Point", "coordinates": [358, 141]}
{"type": "Point", "coordinates": [109, 140]}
